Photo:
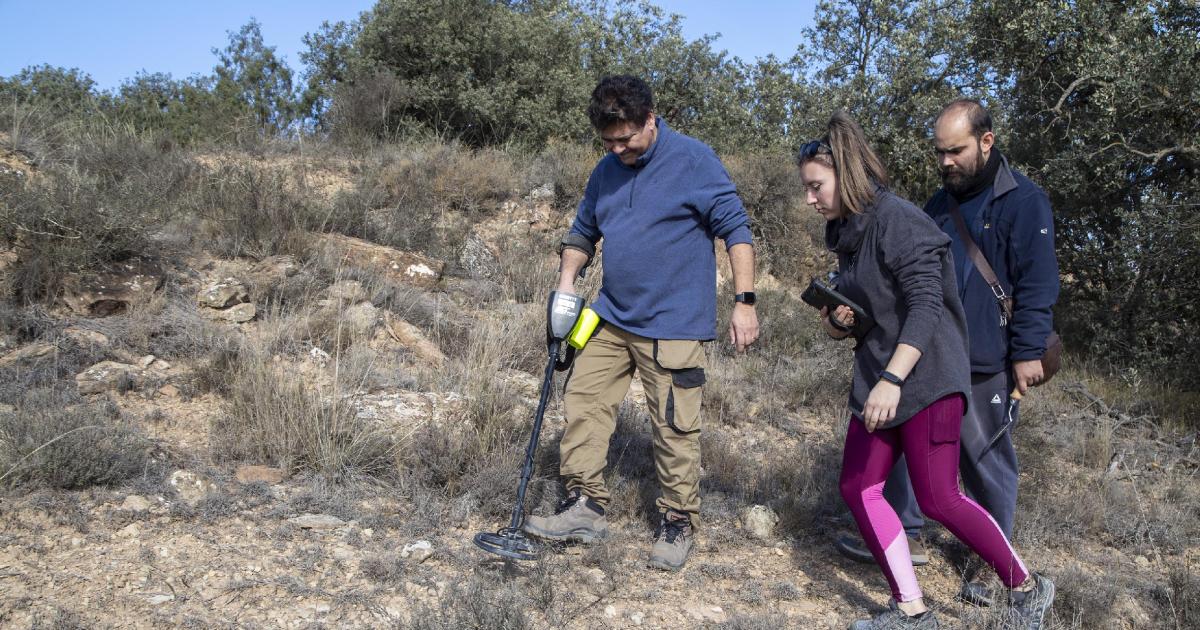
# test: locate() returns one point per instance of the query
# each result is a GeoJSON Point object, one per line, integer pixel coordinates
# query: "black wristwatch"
{"type": "Point", "coordinates": [746, 297]}
{"type": "Point", "coordinates": [891, 378]}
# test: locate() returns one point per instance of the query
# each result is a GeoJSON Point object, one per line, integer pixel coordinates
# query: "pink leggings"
{"type": "Point", "coordinates": [929, 443]}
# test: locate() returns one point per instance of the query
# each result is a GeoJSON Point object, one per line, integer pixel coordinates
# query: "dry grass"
{"type": "Point", "coordinates": [270, 416]}
{"type": "Point", "coordinates": [1110, 460]}
{"type": "Point", "coordinates": [53, 438]}
{"type": "Point", "coordinates": [475, 461]}
{"type": "Point", "coordinates": [424, 197]}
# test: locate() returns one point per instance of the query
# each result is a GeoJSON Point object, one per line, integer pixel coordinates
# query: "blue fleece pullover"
{"type": "Point", "coordinates": [658, 220]}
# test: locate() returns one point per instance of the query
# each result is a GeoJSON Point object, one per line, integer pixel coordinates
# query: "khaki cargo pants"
{"type": "Point", "coordinates": [672, 372]}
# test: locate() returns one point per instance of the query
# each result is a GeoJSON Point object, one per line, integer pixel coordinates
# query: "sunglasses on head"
{"type": "Point", "coordinates": [809, 150]}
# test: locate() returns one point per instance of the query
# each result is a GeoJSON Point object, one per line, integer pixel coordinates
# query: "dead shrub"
{"type": "Point", "coordinates": [169, 325]}
{"type": "Point", "coordinates": [480, 603]}
{"type": "Point", "coordinates": [793, 366]}
{"type": "Point", "coordinates": [99, 204]}
{"type": "Point", "coordinates": [52, 438]}
{"type": "Point", "coordinates": [254, 210]}
{"type": "Point", "coordinates": [439, 318]}
{"type": "Point", "coordinates": [565, 167]}
{"type": "Point", "coordinates": [63, 619]}
{"type": "Point", "coordinates": [1184, 600]}
{"type": "Point", "coordinates": [67, 359]}
{"type": "Point", "coordinates": [478, 458]}
{"type": "Point", "coordinates": [788, 235]}
{"type": "Point", "coordinates": [270, 416]}
{"type": "Point", "coordinates": [1087, 598]}
{"type": "Point", "coordinates": [424, 197]}
{"type": "Point", "coordinates": [803, 495]}
{"type": "Point", "coordinates": [528, 269]}
{"type": "Point", "coordinates": [385, 569]}
{"type": "Point", "coordinates": [630, 474]}
{"type": "Point", "coordinates": [765, 621]}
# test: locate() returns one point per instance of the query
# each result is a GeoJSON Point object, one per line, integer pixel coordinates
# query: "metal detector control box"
{"type": "Point", "coordinates": [562, 313]}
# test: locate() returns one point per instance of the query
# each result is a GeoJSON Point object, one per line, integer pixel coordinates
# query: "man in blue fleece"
{"type": "Point", "coordinates": [658, 200]}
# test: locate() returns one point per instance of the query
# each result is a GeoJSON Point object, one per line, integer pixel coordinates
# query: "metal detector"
{"type": "Point", "coordinates": [562, 315]}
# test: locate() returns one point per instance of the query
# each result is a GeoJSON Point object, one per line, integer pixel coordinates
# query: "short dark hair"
{"type": "Point", "coordinates": [977, 116]}
{"type": "Point", "coordinates": [620, 98]}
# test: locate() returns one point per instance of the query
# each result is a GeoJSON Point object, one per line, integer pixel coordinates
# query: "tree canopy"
{"type": "Point", "coordinates": [1094, 99]}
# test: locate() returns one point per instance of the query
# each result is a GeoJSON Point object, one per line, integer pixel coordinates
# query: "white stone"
{"type": "Point", "coordinates": [610, 611]}
{"type": "Point", "coordinates": [760, 521]}
{"type": "Point", "coordinates": [135, 503]}
{"type": "Point", "coordinates": [419, 270]}
{"type": "Point", "coordinates": [418, 551]}
{"type": "Point", "coordinates": [316, 521]}
{"type": "Point", "coordinates": [638, 618]}
{"type": "Point", "coordinates": [192, 488]}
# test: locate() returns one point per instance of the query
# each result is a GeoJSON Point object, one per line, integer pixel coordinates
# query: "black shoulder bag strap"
{"type": "Point", "coordinates": [981, 263]}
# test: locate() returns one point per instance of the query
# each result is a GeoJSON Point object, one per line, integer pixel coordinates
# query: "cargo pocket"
{"type": "Point", "coordinates": [685, 360]}
{"type": "Point", "coordinates": [945, 428]}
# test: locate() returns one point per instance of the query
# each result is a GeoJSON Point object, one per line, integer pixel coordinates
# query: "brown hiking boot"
{"type": "Point", "coordinates": [854, 548]}
{"type": "Point", "coordinates": [576, 519]}
{"type": "Point", "coordinates": [672, 542]}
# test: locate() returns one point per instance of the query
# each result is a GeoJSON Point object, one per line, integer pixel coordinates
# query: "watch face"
{"type": "Point", "coordinates": [745, 298]}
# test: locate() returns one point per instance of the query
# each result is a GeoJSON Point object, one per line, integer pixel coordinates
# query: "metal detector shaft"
{"type": "Point", "coordinates": [518, 515]}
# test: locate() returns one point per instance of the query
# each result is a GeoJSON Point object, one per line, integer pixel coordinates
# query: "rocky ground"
{"type": "Point", "coordinates": [245, 546]}
{"type": "Point", "coordinates": [225, 527]}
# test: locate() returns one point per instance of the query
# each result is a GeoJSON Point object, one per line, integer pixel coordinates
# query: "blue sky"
{"type": "Point", "coordinates": [113, 40]}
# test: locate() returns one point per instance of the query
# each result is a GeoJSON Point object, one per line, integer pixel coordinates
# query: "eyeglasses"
{"type": "Point", "coordinates": [622, 140]}
{"type": "Point", "coordinates": [810, 150]}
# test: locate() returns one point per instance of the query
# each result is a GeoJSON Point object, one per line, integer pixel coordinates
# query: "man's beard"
{"type": "Point", "coordinates": [959, 181]}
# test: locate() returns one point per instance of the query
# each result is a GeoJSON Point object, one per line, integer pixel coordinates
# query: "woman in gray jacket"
{"type": "Point", "coordinates": [911, 372]}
